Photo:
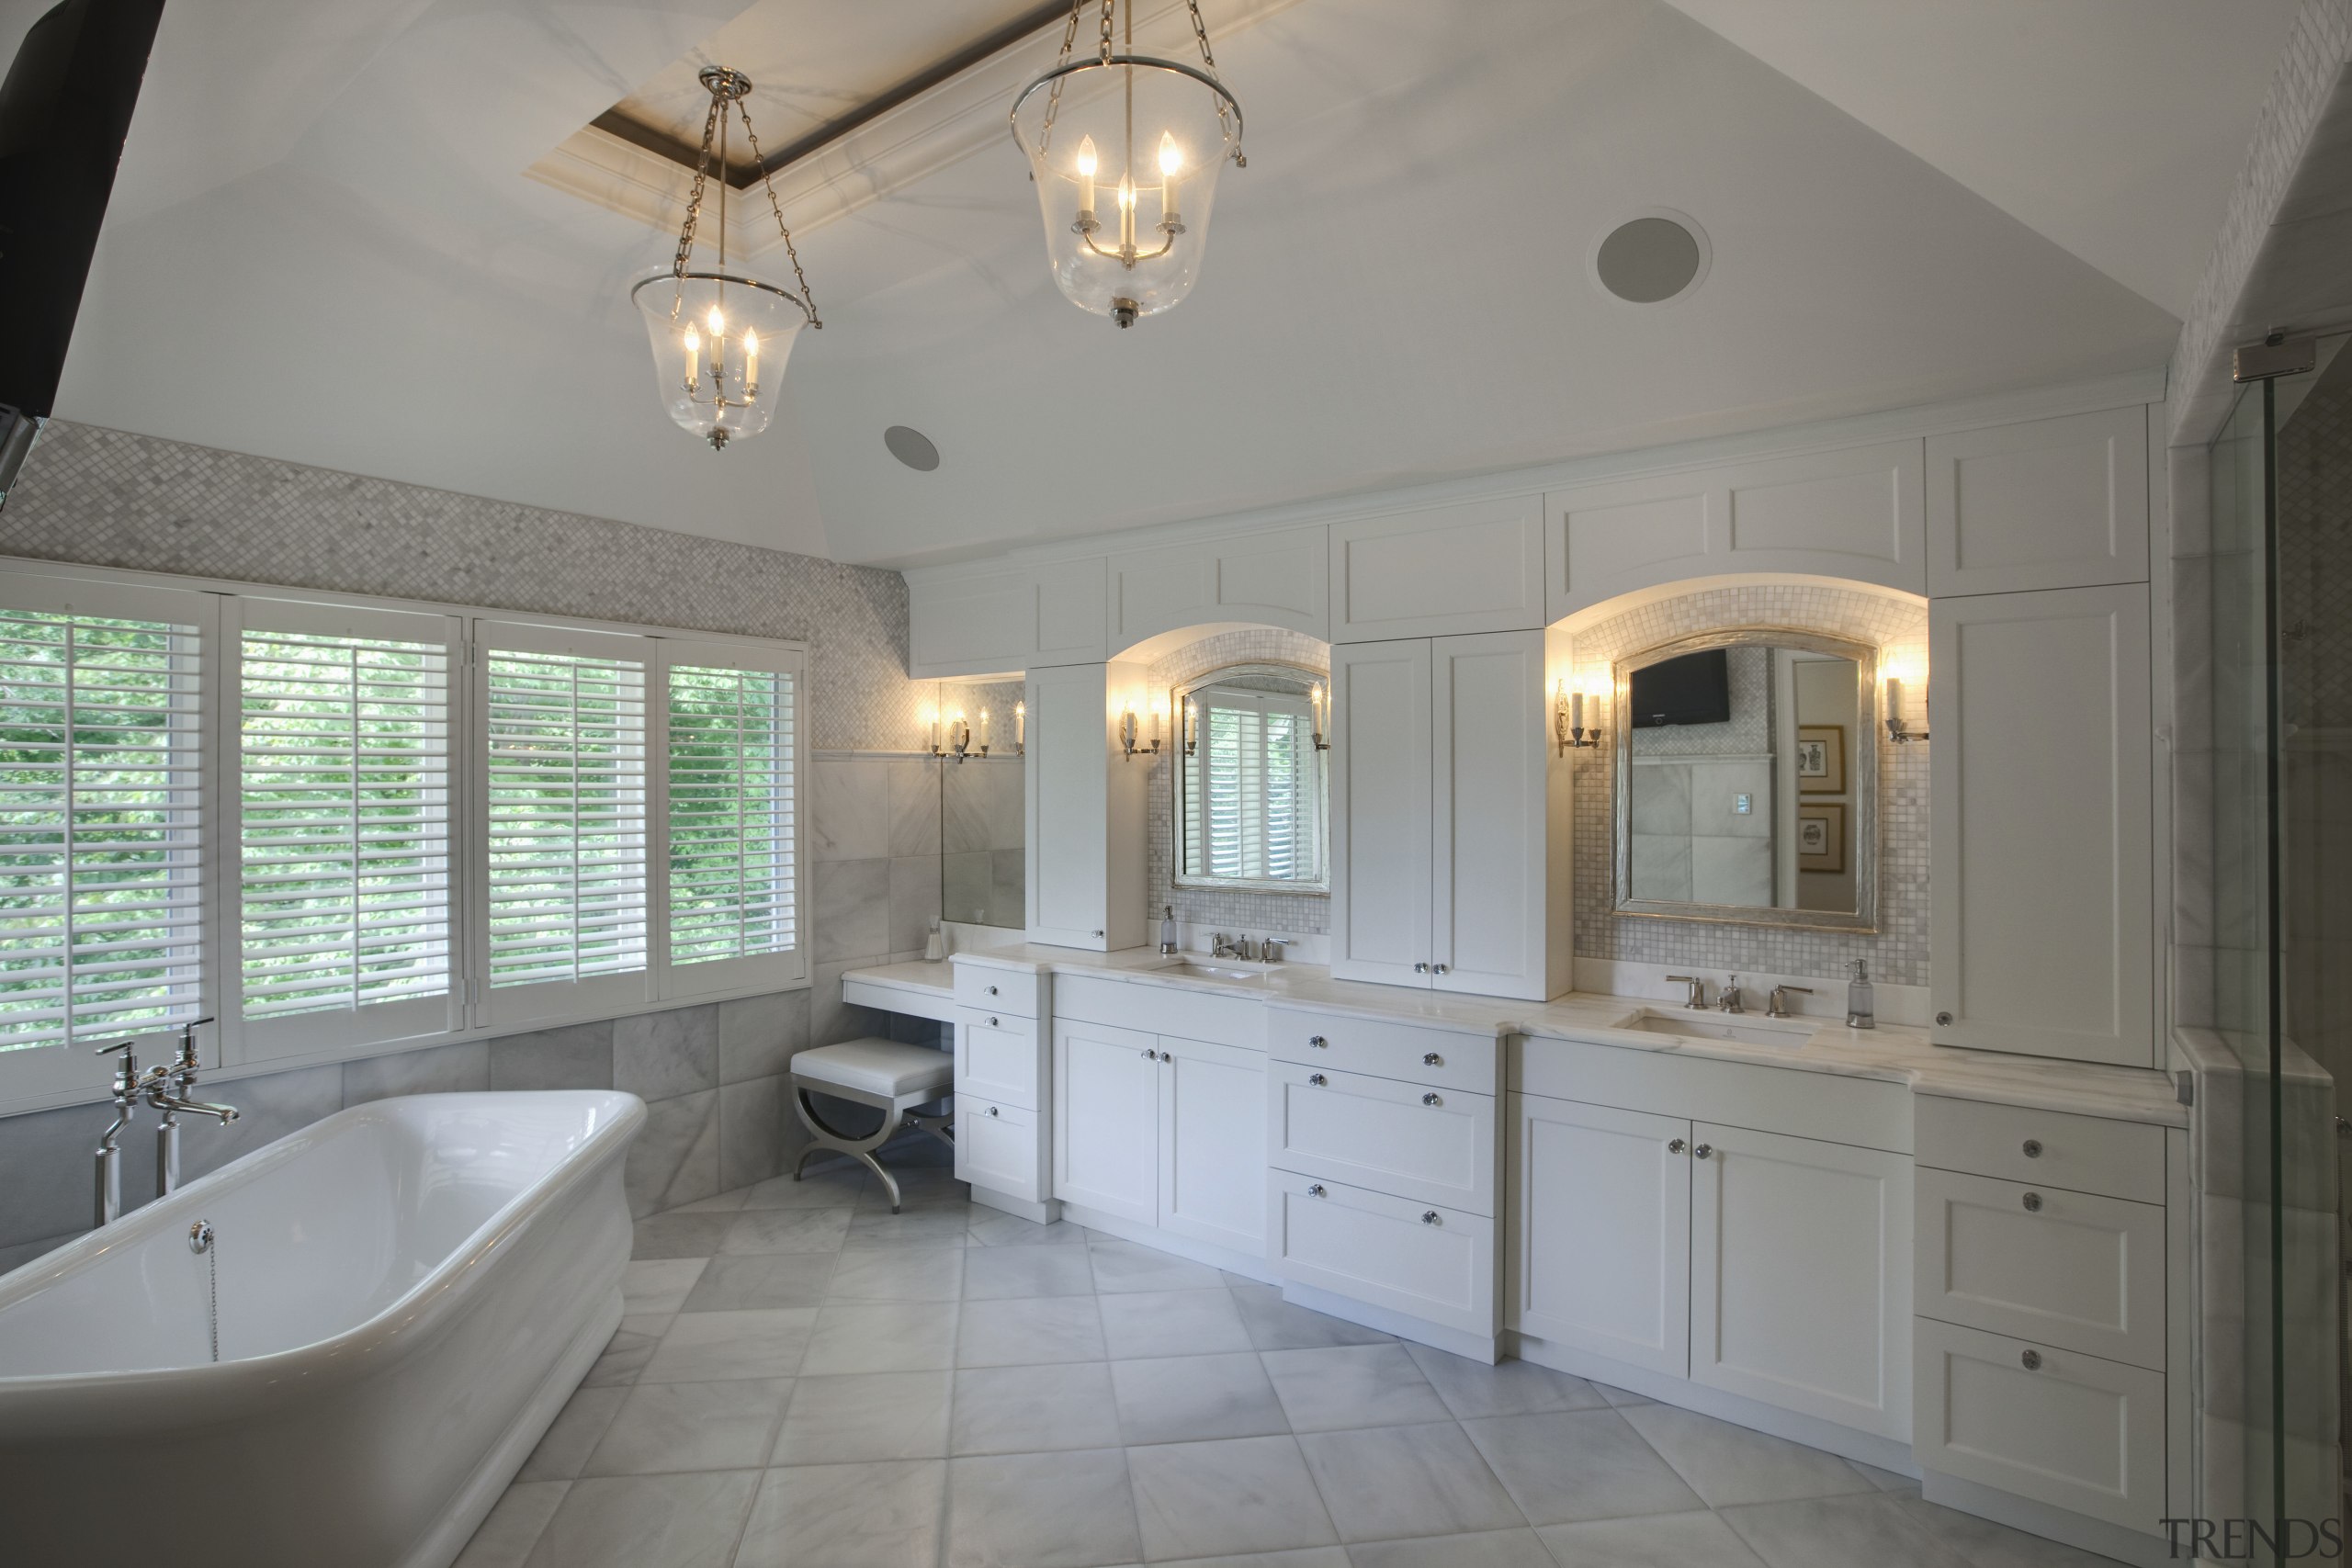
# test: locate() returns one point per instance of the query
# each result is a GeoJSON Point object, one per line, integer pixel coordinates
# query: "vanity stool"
{"type": "Point", "coordinates": [891, 1077]}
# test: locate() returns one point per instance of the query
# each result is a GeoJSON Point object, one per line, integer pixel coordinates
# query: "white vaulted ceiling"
{"type": "Point", "coordinates": [324, 247]}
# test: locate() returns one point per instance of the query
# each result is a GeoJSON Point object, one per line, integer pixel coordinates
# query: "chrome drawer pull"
{"type": "Point", "coordinates": [1704, 1151]}
{"type": "Point", "coordinates": [1317, 1079]}
{"type": "Point", "coordinates": [991, 990]}
{"type": "Point", "coordinates": [1318, 1043]}
{"type": "Point", "coordinates": [1676, 1146]}
{"type": "Point", "coordinates": [992, 1024]}
{"type": "Point", "coordinates": [1437, 968]}
{"type": "Point", "coordinates": [1432, 1060]}
{"type": "Point", "coordinates": [1315, 1191]}
{"type": "Point", "coordinates": [1420, 968]}
{"type": "Point", "coordinates": [1432, 1100]}
{"type": "Point", "coordinates": [1429, 1217]}
{"type": "Point", "coordinates": [2030, 1360]}
{"type": "Point", "coordinates": [2033, 1148]}
{"type": "Point", "coordinates": [1151, 1055]}
{"type": "Point", "coordinates": [2033, 1203]}
{"type": "Point", "coordinates": [991, 1110]}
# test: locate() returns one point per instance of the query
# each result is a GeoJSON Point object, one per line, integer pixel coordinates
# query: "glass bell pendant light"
{"type": "Point", "coordinates": [1125, 150]}
{"type": "Point", "coordinates": [721, 338]}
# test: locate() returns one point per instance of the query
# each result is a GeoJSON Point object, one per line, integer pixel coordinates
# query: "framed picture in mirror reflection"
{"type": "Point", "coordinates": [1821, 838]}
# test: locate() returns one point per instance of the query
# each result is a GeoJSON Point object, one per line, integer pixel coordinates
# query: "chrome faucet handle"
{"type": "Point", "coordinates": [1696, 996]}
{"type": "Point", "coordinates": [1274, 949]}
{"type": "Point", "coordinates": [1729, 1000]}
{"type": "Point", "coordinates": [1778, 1005]}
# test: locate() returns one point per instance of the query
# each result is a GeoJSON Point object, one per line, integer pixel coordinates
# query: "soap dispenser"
{"type": "Point", "coordinates": [934, 947]}
{"type": "Point", "coordinates": [1861, 1001]}
{"type": "Point", "coordinates": [1168, 928]}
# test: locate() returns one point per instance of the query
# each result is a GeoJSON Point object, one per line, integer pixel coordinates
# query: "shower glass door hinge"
{"type": "Point", "coordinates": [2276, 355]}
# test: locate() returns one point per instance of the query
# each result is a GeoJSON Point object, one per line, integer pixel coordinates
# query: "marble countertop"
{"type": "Point", "coordinates": [1892, 1053]}
{"type": "Point", "coordinates": [918, 974]}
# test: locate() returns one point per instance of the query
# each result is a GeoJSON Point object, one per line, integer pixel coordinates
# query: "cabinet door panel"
{"type": "Point", "coordinates": [1406, 1138]}
{"type": "Point", "coordinates": [1801, 1275]}
{"type": "Point", "coordinates": [1380, 812]}
{"type": "Point", "coordinates": [1601, 1202]}
{"type": "Point", "coordinates": [1474, 567]}
{"type": "Point", "coordinates": [996, 1147]}
{"type": "Point", "coordinates": [1429, 1262]}
{"type": "Point", "coordinates": [1106, 1120]}
{"type": "Point", "coordinates": [1213, 1143]}
{"type": "Point", "coordinates": [2041, 773]}
{"type": "Point", "coordinates": [996, 1057]}
{"type": "Point", "coordinates": [1085, 851]}
{"type": "Point", "coordinates": [1490, 746]}
{"type": "Point", "coordinates": [2067, 1268]}
{"type": "Point", "coordinates": [2047, 503]}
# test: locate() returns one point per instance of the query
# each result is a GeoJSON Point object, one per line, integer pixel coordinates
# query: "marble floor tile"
{"type": "Point", "coordinates": [667, 1426]}
{"type": "Point", "coordinates": [504, 1539]}
{"type": "Point", "coordinates": [679, 1235]}
{"type": "Point", "coordinates": [713, 1347]}
{"type": "Point", "coordinates": [659, 1284]}
{"type": "Point", "coordinates": [786, 1230]}
{"type": "Point", "coordinates": [1389, 1483]}
{"type": "Point", "coordinates": [763, 1280]}
{"type": "Point", "coordinates": [1029, 1330]}
{"type": "Point", "coordinates": [648, 1521]}
{"type": "Point", "coordinates": [1579, 1464]}
{"type": "Point", "coordinates": [882, 1337]}
{"type": "Point", "coordinates": [1653, 1541]}
{"type": "Point", "coordinates": [991, 1272]}
{"type": "Point", "coordinates": [1341, 1386]}
{"type": "Point", "coordinates": [897, 1274]}
{"type": "Point", "coordinates": [1172, 1323]}
{"type": "Point", "coordinates": [1121, 1266]}
{"type": "Point", "coordinates": [1276, 1324]}
{"type": "Point", "coordinates": [1184, 1398]}
{"type": "Point", "coordinates": [1057, 1510]}
{"type": "Point", "coordinates": [1862, 1531]}
{"type": "Point", "coordinates": [1306, 1557]}
{"type": "Point", "coordinates": [922, 1224]}
{"type": "Point", "coordinates": [1727, 1465]}
{"type": "Point", "coordinates": [1510, 1387]}
{"type": "Point", "coordinates": [838, 1188]}
{"type": "Point", "coordinates": [990, 1227]}
{"type": "Point", "coordinates": [846, 1516]}
{"type": "Point", "coordinates": [1489, 1548]}
{"type": "Point", "coordinates": [1989, 1545]}
{"type": "Point", "coordinates": [1007, 1410]}
{"type": "Point", "coordinates": [1240, 1495]}
{"type": "Point", "coordinates": [919, 1185]}
{"type": "Point", "coordinates": [631, 1346]}
{"type": "Point", "coordinates": [573, 1434]}
{"type": "Point", "coordinates": [717, 1203]}
{"type": "Point", "coordinates": [865, 1415]}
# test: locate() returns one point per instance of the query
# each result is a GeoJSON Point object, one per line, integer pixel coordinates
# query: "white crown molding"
{"type": "Point", "coordinates": [940, 126]}
{"type": "Point", "coordinates": [1821, 435]}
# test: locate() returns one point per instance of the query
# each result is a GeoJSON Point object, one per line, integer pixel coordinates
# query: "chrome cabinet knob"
{"type": "Point", "coordinates": [1430, 1217]}
{"type": "Point", "coordinates": [1432, 1100]}
{"type": "Point", "coordinates": [1317, 1079]}
{"type": "Point", "coordinates": [992, 1024]}
{"type": "Point", "coordinates": [1437, 968]}
{"type": "Point", "coordinates": [2033, 1203]}
{"type": "Point", "coordinates": [1432, 1060]}
{"type": "Point", "coordinates": [1315, 1191]}
{"type": "Point", "coordinates": [1420, 968]}
{"type": "Point", "coordinates": [1098, 934]}
{"type": "Point", "coordinates": [991, 1110]}
{"type": "Point", "coordinates": [1676, 1145]}
{"type": "Point", "coordinates": [991, 990]}
{"type": "Point", "coordinates": [2030, 1360]}
{"type": "Point", "coordinates": [1943, 1018]}
{"type": "Point", "coordinates": [1318, 1043]}
{"type": "Point", "coordinates": [2033, 1148]}
{"type": "Point", "coordinates": [1704, 1151]}
{"type": "Point", "coordinates": [1151, 1055]}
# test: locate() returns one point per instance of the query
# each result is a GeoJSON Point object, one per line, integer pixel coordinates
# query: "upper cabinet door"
{"type": "Point", "coordinates": [1069, 805]}
{"type": "Point", "coordinates": [1491, 753]}
{"type": "Point", "coordinates": [1380, 812]}
{"type": "Point", "coordinates": [1854, 513]}
{"type": "Point", "coordinates": [1000, 621]}
{"type": "Point", "coordinates": [1273, 579]}
{"type": "Point", "coordinates": [2048, 504]}
{"type": "Point", "coordinates": [2041, 843]}
{"type": "Point", "coordinates": [1476, 567]}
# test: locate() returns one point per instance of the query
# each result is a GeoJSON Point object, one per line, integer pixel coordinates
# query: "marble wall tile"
{"type": "Point", "coordinates": [46, 1158]}
{"type": "Point", "coordinates": [443, 1070]}
{"type": "Point", "coordinates": [852, 901]}
{"type": "Point", "coordinates": [965, 808]}
{"type": "Point", "coordinates": [830, 1020]}
{"type": "Point", "coordinates": [758, 1034]}
{"type": "Point", "coordinates": [675, 1158]}
{"type": "Point", "coordinates": [965, 877]}
{"type": "Point", "coordinates": [268, 1109]}
{"type": "Point", "coordinates": [914, 900]}
{"type": "Point", "coordinates": [751, 1132]}
{"type": "Point", "coordinates": [851, 818]}
{"type": "Point", "coordinates": [576, 1056]}
{"type": "Point", "coordinates": [658, 1056]}
{"type": "Point", "coordinates": [913, 793]}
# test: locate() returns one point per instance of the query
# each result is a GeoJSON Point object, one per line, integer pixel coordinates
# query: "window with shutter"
{"type": "Point", "coordinates": [1255, 789]}
{"type": "Point", "coordinates": [100, 832]}
{"type": "Point", "coordinates": [733, 840]}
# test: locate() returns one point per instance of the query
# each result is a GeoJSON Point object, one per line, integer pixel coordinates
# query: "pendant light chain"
{"type": "Point", "coordinates": [1107, 7]}
{"type": "Point", "coordinates": [1201, 36]}
{"type": "Point", "coordinates": [1054, 94]}
{"type": "Point", "coordinates": [694, 203]}
{"type": "Point", "coordinates": [807, 300]}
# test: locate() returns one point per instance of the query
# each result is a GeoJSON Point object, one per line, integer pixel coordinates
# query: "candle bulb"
{"type": "Point", "coordinates": [1576, 710]}
{"type": "Point", "coordinates": [984, 729]}
{"type": "Point", "coordinates": [1158, 724]}
{"type": "Point", "coordinates": [1020, 724]}
{"type": "Point", "coordinates": [1170, 161]}
{"type": "Point", "coordinates": [750, 364]}
{"type": "Point", "coordinates": [694, 359]}
{"type": "Point", "coordinates": [1086, 163]}
{"type": "Point", "coordinates": [1128, 728]}
{"type": "Point", "coordinates": [935, 730]}
{"type": "Point", "coordinates": [1895, 696]}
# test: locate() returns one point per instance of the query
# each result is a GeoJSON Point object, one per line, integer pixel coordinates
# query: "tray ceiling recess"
{"type": "Point", "coordinates": [834, 147]}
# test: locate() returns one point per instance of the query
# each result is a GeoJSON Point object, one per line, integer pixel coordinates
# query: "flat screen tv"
{"type": "Point", "coordinates": [1693, 689]}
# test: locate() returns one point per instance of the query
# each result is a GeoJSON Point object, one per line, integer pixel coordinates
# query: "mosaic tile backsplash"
{"type": "Point", "coordinates": [1897, 951]}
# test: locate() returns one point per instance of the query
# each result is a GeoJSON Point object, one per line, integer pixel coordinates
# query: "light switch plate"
{"type": "Point", "coordinates": [1741, 805]}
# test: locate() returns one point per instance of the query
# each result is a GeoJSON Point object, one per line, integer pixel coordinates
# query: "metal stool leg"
{"type": "Point", "coordinates": [828, 1136]}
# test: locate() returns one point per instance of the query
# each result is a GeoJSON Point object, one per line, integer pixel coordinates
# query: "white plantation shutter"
{"type": "Point", "coordinates": [1257, 789]}
{"type": "Point", "coordinates": [733, 842]}
{"type": "Point", "coordinates": [100, 835]}
{"type": "Point", "coordinates": [343, 826]}
{"type": "Point", "coordinates": [566, 818]}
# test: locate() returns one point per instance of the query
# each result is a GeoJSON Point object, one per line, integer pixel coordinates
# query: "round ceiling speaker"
{"type": "Point", "coordinates": [1651, 257]}
{"type": "Point", "coordinates": [912, 448]}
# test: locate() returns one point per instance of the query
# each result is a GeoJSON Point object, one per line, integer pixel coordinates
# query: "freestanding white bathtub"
{"type": "Point", "coordinates": [408, 1291]}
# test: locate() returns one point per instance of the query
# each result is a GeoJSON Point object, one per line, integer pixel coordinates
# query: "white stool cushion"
{"type": "Point", "coordinates": [885, 1069]}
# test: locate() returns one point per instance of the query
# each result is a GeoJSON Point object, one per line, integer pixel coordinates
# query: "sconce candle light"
{"type": "Point", "coordinates": [1895, 730]}
{"type": "Point", "coordinates": [1568, 719]}
{"type": "Point", "coordinates": [1127, 732]}
{"type": "Point", "coordinates": [1020, 729]}
{"type": "Point", "coordinates": [1317, 704]}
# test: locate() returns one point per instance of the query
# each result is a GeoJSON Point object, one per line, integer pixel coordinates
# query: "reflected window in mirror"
{"type": "Point", "coordinates": [1249, 780]}
{"type": "Point", "coordinates": [1747, 780]}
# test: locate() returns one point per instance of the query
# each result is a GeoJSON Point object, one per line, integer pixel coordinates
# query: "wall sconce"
{"type": "Point", "coordinates": [1895, 729]}
{"type": "Point", "coordinates": [1317, 704]}
{"type": "Point", "coordinates": [1192, 737]}
{"type": "Point", "coordinates": [1569, 727]}
{"type": "Point", "coordinates": [1127, 731]}
{"type": "Point", "coordinates": [1020, 729]}
{"type": "Point", "coordinates": [959, 736]}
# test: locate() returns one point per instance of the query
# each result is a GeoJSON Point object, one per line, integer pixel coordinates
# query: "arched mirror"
{"type": "Point", "coordinates": [1747, 780]}
{"type": "Point", "coordinates": [1250, 798]}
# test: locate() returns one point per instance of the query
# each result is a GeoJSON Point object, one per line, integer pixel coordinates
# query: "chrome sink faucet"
{"type": "Point", "coordinates": [168, 1091]}
{"type": "Point", "coordinates": [1729, 1001]}
{"type": "Point", "coordinates": [1778, 1005]}
{"type": "Point", "coordinates": [1696, 996]}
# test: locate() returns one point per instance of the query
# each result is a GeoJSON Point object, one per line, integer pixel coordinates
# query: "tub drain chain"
{"type": "Point", "coordinates": [199, 1241]}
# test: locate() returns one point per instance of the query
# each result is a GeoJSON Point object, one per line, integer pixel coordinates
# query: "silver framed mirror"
{"type": "Point", "coordinates": [1250, 807]}
{"type": "Point", "coordinates": [1746, 780]}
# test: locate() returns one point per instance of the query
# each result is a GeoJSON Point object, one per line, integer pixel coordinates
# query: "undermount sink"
{"type": "Point", "coordinates": [1221, 969]}
{"type": "Point", "coordinates": [1691, 1025]}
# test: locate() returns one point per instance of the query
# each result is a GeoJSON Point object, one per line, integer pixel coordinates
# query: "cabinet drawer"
{"type": "Point", "coordinates": [2043, 1263]}
{"type": "Point", "coordinates": [997, 1057]}
{"type": "Point", "coordinates": [2047, 1148]}
{"type": "Point", "coordinates": [996, 1146]}
{"type": "Point", "coordinates": [1165, 1009]}
{"type": "Point", "coordinates": [997, 990]}
{"type": "Point", "coordinates": [1432, 1145]}
{"type": "Point", "coordinates": [1431, 1262]}
{"type": "Point", "coordinates": [1441, 1058]}
{"type": "Point", "coordinates": [2072, 1430]}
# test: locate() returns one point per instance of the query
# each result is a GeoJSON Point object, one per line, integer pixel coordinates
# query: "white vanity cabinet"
{"type": "Point", "coordinates": [1001, 1109]}
{"type": "Point", "coordinates": [1085, 803]}
{"type": "Point", "coordinates": [1449, 818]}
